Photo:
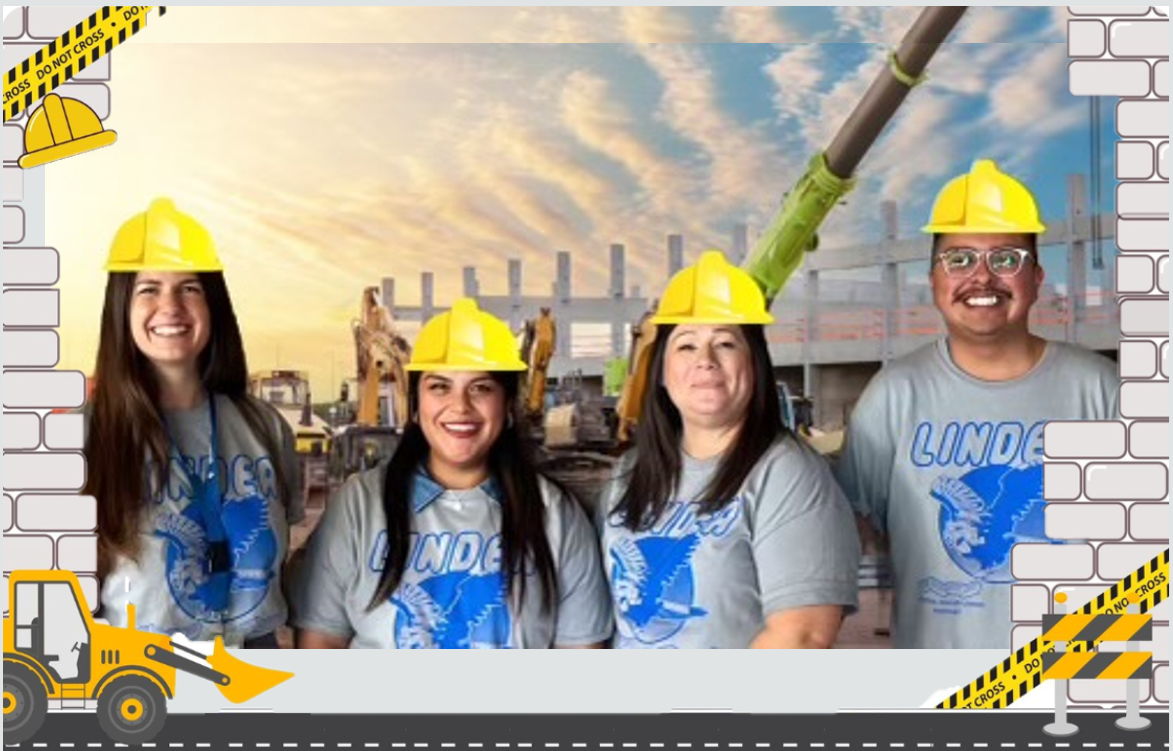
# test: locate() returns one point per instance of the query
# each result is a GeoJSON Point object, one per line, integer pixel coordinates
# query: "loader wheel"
{"type": "Point", "coordinates": [132, 709]}
{"type": "Point", "coordinates": [25, 703]}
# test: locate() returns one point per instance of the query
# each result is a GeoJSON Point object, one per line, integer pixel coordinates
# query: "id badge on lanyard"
{"type": "Point", "coordinates": [216, 563]}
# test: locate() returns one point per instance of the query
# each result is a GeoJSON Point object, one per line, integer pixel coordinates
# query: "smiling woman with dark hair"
{"type": "Point", "coordinates": [723, 529]}
{"type": "Point", "coordinates": [195, 481]}
{"type": "Point", "coordinates": [456, 542]}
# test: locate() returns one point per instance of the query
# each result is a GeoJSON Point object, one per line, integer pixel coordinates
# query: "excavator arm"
{"type": "Point", "coordinates": [538, 350]}
{"type": "Point", "coordinates": [381, 355]}
{"type": "Point", "coordinates": [829, 177]}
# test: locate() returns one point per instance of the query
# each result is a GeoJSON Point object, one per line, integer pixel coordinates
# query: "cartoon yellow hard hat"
{"type": "Point", "coordinates": [62, 128]}
{"type": "Point", "coordinates": [163, 239]}
{"type": "Point", "coordinates": [985, 201]}
{"type": "Point", "coordinates": [713, 291]}
{"type": "Point", "coordinates": [466, 338]}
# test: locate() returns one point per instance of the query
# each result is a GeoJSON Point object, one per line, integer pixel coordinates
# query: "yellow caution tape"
{"type": "Point", "coordinates": [1022, 671]}
{"type": "Point", "coordinates": [71, 53]}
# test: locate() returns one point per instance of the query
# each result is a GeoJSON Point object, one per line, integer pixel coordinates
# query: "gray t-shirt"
{"type": "Point", "coordinates": [951, 469]}
{"type": "Point", "coordinates": [701, 581]}
{"type": "Point", "coordinates": [453, 594]}
{"type": "Point", "coordinates": [168, 583]}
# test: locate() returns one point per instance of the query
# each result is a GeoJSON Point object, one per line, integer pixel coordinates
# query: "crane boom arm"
{"type": "Point", "coordinates": [829, 177]}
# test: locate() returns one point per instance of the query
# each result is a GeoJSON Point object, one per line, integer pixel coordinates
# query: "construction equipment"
{"type": "Point", "coordinates": [288, 391]}
{"type": "Point", "coordinates": [56, 656]}
{"type": "Point", "coordinates": [829, 178]}
{"type": "Point", "coordinates": [381, 355]}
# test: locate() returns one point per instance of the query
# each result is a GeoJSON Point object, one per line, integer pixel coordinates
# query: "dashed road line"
{"type": "Point", "coordinates": [789, 745]}
{"type": "Point", "coordinates": [262, 745]}
{"type": "Point", "coordinates": [99, 745]}
{"type": "Point", "coordinates": [1089, 745]}
{"type": "Point", "coordinates": [842, 745]}
{"type": "Point", "coordinates": [288, 745]}
{"type": "Point", "coordinates": [235, 745]}
{"type": "Point", "coordinates": [924, 745]}
{"type": "Point", "coordinates": [816, 745]}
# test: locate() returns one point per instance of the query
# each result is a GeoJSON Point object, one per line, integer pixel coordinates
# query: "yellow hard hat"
{"type": "Point", "coordinates": [465, 338]}
{"type": "Point", "coordinates": [713, 291]}
{"type": "Point", "coordinates": [62, 128]}
{"type": "Point", "coordinates": [163, 239]}
{"type": "Point", "coordinates": [985, 201]}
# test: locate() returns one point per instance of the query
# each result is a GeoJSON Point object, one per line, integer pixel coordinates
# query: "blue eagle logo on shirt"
{"type": "Point", "coordinates": [985, 512]}
{"type": "Point", "coordinates": [219, 597]}
{"type": "Point", "coordinates": [456, 610]}
{"type": "Point", "coordinates": [653, 586]}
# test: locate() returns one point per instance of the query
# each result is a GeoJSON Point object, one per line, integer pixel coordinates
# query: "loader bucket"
{"type": "Point", "coordinates": [246, 681]}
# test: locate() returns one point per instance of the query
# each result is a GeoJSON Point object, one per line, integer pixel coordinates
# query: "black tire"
{"type": "Point", "coordinates": [132, 709]}
{"type": "Point", "coordinates": [25, 703]}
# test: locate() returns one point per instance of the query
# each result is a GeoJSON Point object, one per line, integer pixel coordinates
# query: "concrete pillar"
{"type": "Point", "coordinates": [388, 292]}
{"type": "Point", "coordinates": [618, 282]}
{"type": "Point", "coordinates": [562, 292]}
{"type": "Point", "coordinates": [675, 254]}
{"type": "Point", "coordinates": [427, 305]}
{"type": "Point", "coordinates": [890, 281]}
{"type": "Point", "coordinates": [810, 372]}
{"type": "Point", "coordinates": [618, 270]}
{"type": "Point", "coordinates": [471, 288]}
{"type": "Point", "coordinates": [740, 246]}
{"type": "Point", "coordinates": [1076, 255]}
{"type": "Point", "coordinates": [514, 294]}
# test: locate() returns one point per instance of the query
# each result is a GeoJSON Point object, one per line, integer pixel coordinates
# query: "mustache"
{"type": "Point", "coordinates": [983, 290]}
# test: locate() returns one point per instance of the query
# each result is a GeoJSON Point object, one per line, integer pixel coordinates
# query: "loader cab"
{"type": "Point", "coordinates": [49, 627]}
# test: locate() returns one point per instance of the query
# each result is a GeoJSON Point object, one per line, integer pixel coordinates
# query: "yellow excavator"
{"type": "Point", "coordinates": [56, 656]}
{"type": "Point", "coordinates": [381, 356]}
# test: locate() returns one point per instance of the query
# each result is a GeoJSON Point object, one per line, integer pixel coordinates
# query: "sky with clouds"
{"type": "Point", "coordinates": [327, 149]}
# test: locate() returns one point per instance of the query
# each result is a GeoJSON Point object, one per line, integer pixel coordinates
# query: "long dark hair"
{"type": "Point", "coordinates": [523, 512]}
{"type": "Point", "coordinates": [125, 417]}
{"type": "Point", "coordinates": [655, 475]}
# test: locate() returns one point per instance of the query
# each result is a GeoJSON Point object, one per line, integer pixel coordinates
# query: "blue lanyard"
{"type": "Point", "coordinates": [206, 493]}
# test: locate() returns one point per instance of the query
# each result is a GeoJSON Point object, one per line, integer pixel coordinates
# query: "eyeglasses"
{"type": "Point", "coordinates": [960, 263]}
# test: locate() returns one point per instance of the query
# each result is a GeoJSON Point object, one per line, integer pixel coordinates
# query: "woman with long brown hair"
{"type": "Point", "coordinates": [722, 529]}
{"type": "Point", "coordinates": [195, 480]}
{"type": "Point", "coordinates": [456, 542]}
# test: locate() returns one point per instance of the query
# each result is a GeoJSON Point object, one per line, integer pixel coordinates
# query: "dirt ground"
{"type": "Point", "coordinates": [858, 632]}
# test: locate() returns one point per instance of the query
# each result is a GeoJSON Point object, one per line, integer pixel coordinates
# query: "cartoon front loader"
{"type": "Point", "coordinates": [56, 656]}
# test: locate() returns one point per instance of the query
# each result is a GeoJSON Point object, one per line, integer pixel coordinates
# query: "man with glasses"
{"type": "Point", "coordinates": [944, 452]}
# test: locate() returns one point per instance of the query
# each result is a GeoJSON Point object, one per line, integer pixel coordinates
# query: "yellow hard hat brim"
{"type": "Point", "coordinates": [470, 367]}
{"type": "Point", "coordinates": [983, 229]}
{"type": "Point", "coordinates": [67, 149]}
{"type": "Point", "coordinates": [194, 268]}
{"type": "Point", "coordinates": [713, 321]}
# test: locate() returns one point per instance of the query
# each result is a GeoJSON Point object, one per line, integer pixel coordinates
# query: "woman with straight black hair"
{"type": "Point", "coordinates": [456, 542]}
{"type": "Point", "coordinates": [722, 529]}
{"type": "Point", "coordinates": [196, 482]}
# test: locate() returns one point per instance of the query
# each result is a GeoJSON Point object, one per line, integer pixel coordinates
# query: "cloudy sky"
{"type": "Point", "coordinates": [327, 149]}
